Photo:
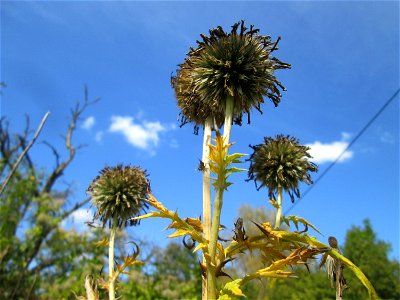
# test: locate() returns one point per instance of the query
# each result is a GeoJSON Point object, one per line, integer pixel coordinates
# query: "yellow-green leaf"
{"type": "Point", "coordinates": [102, 243]}
{"type": "Point", "coordinates": [231, 290]}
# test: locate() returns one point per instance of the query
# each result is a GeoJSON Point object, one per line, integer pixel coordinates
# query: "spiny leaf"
{"type": "Point", "coordinates": [102, 243]}
{"type": "Point", "coordinates": [296, 220]}
{"type": "Point", "coordinates": [195, 223]}
{"type": "Point", "coordinates": [313, 242]}
{"type": "Point", "coordinates": [200, 246]}
{"type": "Point", "coordinates": [231, 290]}
{"type": "Point", "coordinates": [234, 158]}
{"type": "Point", "coordinates": [179, 232]}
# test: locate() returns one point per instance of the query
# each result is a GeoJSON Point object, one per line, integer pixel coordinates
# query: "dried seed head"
{"type": "Point", "coordinates": [236, 63]}
{"type": "Point", "coordinates": [281, 162]}
{"type": "Point", "coordinates": [333, 242]}
{"type": "Point", "coordinates": [119, 193]}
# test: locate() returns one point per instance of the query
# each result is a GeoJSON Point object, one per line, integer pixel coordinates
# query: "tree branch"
{"type": "Point", "coordinates": [15, 166]}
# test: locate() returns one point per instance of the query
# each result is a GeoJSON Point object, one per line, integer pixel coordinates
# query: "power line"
{"type": "Point", "coordinates": [372, 120]}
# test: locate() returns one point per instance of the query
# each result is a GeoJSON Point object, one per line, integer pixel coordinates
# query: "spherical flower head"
{"type": "Point", "coordinates": [119, 193]}
{"type": "Point", "coordinates": [281, 162]}
{"type": "Point", "coordinates": [237, 64]}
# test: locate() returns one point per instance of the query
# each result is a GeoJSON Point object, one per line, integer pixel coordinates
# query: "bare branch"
{"type": "Point", "coordinates": [15, 166]}
{"type": "Point", "coordinates": [55, 152]}
{"type": "Point", "coordinates": [76, 113]}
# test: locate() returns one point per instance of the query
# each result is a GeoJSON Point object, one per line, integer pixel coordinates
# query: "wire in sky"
{"type": "Point", "coordinates": [372, 120]}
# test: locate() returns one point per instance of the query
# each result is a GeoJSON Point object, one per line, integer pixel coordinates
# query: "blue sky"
{"type": "Point", "coordinates": [345, 65]}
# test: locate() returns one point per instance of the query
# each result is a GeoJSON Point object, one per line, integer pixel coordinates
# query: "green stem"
{"type": "Point", "coordinates": [111, 279]}
{"type": "Point", "coordinates": [279, 211]}
{"type": "Point", "coordinates": [206, 195]}
{"type": "Point", "coordinates": [211, 276]}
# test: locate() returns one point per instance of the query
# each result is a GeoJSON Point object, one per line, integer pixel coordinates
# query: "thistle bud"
{"type": "Point", "coordinates": [237, 63]}
{"type": "Point", "coordinates": [281, 162]}
{"type": "Point", "coordinates": [119, 193]}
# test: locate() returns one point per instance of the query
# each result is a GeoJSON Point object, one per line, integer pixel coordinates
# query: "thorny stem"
{"type": "Point", "coordinates": [206, 194]}
{"type": "Point", "coordinates": [111, 279]}
{"type": "Point", "coordinates": [279, 211]}
{"type": "Point", "coordinates": [211, 276]}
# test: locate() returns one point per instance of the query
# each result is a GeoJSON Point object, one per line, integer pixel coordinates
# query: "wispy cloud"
{"type": "Point", "coordinates": [99, 136]}
{"type": "Point", "coordinates": [329, 152]}
{"type": "Point", "coordinates": [88, 123]}
{"type": "Point", "coordinates": [143, 135]}
{"type": "Point", "coordinates": [386, 137]}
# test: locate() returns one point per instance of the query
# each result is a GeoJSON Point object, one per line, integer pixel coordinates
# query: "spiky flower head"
{"type": "Point", "coordinates": [119, 193]}
{"type": "Point", "coordinates": [281, 162]}
{"type": "Point", "coordinates": [236, 63]}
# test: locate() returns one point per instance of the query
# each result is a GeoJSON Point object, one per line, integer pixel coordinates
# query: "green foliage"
{"type": "Point", "coordinates": [172, 273]}
{"type": "Point", "coordinates": [371, 255]}
{"type": "Point", "coordinates": [308, 285]}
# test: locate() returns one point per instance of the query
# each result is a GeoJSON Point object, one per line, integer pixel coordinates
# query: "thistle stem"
{"type": "Point", "coordinates": [213, 243]}
{"type": "Point", "coordinates": [111, 279]}
{"type": "Point", "coordinates": [338, 271]}
{"type": "Point", "coordinates": [279, 211]}
{"type": "Point", "coordinates": [206, 195]}
{"type": "Point", "coordinates": [228, 118]}
{"type": "Point", "coordinates": [211, 276]}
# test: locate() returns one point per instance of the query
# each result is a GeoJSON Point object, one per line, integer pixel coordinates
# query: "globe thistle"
{"type": "Point", "coordinates": [281, 162]}
{"type": "Point", "coordinates": [237, 64]}
{"type": "Point", "coordinates": [119, 193]}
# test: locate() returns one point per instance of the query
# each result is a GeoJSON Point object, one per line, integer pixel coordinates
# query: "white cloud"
{"type": "Point", "coordinates": [77, 219]}
{"type": "Point", "coordinates": [329, 152]}
{"type": "Point", "coordinates": [88, 123]}
{"type": "Point", "coordinates": [144, 135]}
{"type": "Point", "coordinates": [81, 215]}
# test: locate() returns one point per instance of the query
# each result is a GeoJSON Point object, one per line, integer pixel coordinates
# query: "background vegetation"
{"type": "Point", "coordinates": [42, 259]}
